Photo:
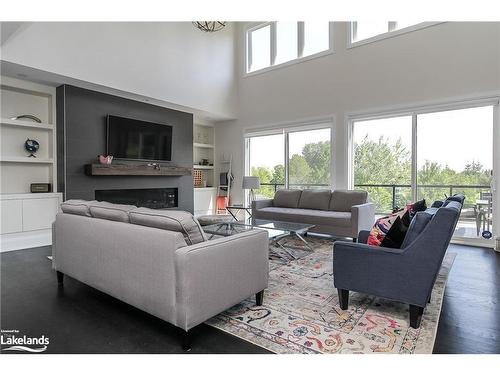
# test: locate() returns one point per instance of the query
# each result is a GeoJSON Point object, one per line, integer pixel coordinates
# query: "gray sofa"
{"type": "Point", "coordinates": [406, 275]}
{"type": "Point", "coordinates": [342, 213]}
{"type": "Point", "coordinates": [158, 260]}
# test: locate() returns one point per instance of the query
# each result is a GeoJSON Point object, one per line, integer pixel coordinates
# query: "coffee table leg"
{"type": "Point", "coordinates": [277, 240]}
{"type": "Point", "coordinates": [304, 241]}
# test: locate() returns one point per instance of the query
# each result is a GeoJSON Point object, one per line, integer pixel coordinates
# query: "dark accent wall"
{"type": "Point", "coordinates": [81, 136]}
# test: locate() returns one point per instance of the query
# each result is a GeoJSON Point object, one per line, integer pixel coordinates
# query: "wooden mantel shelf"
{"type": "Point", "coordinates": [135, 170]}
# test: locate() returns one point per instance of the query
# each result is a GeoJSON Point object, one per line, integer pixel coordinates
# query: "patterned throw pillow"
{"type": "Point", "coordinates": [382, 226]}
{"type": "Point", "coordinates": [402, 218]}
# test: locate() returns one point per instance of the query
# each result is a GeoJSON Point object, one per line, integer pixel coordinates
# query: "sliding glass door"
{"type": "Point", "coordinates": [429, 155]}
{"type": "Point", "coordinates": [382, 161]}
{"type": "Point", "coordinates": [291, 157]}
{"type": "Point", "coordinates": [455, 155]}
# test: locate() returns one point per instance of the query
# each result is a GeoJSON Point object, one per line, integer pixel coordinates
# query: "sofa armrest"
{"type": "Point", "coordinates": [258, 204]}
{"type": "Point", "coordinates": [379, 271]}
{"type": "Point", "coordinates": [213, 276]}
{"type": "Point", "coordinates": [361, 249]}
{"type": "Point", "coordinates": [362, 217]}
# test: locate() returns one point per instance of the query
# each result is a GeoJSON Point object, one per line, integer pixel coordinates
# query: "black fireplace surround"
{"type": "Point", "coordinates": [81, 135]}
{"type": "Point", "coordinates": [152, 198]}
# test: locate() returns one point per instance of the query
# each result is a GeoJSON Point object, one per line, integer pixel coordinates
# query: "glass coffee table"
{"type": "Point", "coordinates": [233, 227]}
{"type": "Point", "coordinates": [293, 229]}
{"type": "Point", "coordinates": [277, 231]}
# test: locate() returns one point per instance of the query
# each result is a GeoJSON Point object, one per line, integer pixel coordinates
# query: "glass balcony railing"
{"type": "Point", "coordinates": [476, 216]}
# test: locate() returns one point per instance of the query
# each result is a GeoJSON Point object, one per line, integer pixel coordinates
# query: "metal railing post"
{"type": "Point", "coordinates": [393, 197]}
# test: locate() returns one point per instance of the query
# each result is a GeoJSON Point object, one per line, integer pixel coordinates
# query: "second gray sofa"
{"type": "Point", "coordinates": [342, 213]}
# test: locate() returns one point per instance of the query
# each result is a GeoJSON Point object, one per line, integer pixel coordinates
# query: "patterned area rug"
{"type": "Point", "coordinates": [301, 312]}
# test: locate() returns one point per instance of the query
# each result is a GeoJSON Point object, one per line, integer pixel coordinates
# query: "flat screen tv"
{"type": "Point", "coordinates": [138, 140]}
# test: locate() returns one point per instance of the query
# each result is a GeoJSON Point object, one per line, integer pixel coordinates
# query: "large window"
{"type": "Point", "coordinates": [429, 155]}
{"type": "Point", "coordinates": [297, 159]}
{"type": "Point", "coordinates": [365, 31]}
{"type": "Point", "coordinates": [278, 42]}
{"type": "Point", "coordinates": [382, 161]}
{"type": "Point", "coordinates": [259, 45]}
{"type": "Point", "coordinates": [265, 159]}
{"type": "Point", "coordinates": [286, 42]}
{"type": "Point", "coordinates": [309, 159]}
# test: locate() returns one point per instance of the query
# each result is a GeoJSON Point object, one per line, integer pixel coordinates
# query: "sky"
{"type": "Point", "coordinates": [452, 138]}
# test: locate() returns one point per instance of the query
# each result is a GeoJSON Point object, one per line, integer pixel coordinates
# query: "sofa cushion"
{"type": "Point", "coordinates": [174, 220]}
{"type": "Point", "coordinates": [111, 211]}
{"type": "Point", "coordinates": [306, 216]}
{"type": "Point", "coordinates": [417, 226]}
{"type": "Point", "coordinates": [77, 207]}
{"type": "Point", "coordinates": [287, 198]}
{"type": "Point", "coordinates": [343, 200]}
{"type": "Point", "coordinates": [315, 199]}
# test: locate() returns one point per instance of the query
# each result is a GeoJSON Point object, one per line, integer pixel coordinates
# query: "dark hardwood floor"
{"type": "Point", "coordinates": [80, 319]}
{"type": "Point", "coordinates": [470, 317]}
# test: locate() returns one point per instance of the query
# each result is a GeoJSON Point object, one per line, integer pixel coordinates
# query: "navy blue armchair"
{"type": "Point", "coordinates": [406, 275]}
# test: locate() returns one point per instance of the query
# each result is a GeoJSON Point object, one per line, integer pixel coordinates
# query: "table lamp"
{"type": "Point", "coordinates": [250, 183]}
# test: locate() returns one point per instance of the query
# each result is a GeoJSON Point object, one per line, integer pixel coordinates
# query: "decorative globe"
{"type": "Point", "coordinates": [31, 146]}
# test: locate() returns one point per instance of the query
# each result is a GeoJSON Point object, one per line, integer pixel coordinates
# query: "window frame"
{"type": "Point", "coordinates": [273, 49]}
{"type": "Point", "coordinates": [286, 129]}
{"type": "Point", "coordinates": [414, 111]}
{"type": "Point", "coordinates": [391, 33]}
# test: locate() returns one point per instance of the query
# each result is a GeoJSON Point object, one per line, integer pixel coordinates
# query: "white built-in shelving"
{"type": "Point", "coordinates": [19, 170]}
{"type": "Point", "coordinates": [27, 217]}
{"type": "Point", "coordinates": [26, 124]}
{"type": "Point", "coordinates": [33, 160]}
{"type": "Point", "coordinates": [202, 145]}
{"type": "Point", "coordinates": [204, 148]}
{"type": "Point", "coordinates": [205, 167]}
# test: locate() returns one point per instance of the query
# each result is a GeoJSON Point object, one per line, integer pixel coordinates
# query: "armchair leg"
{"type": "Point", "coordinates": [416, 313]}
{"type": "Point", "coordinates": [259, 298]}
{"type": "Point", "coordinates": [343, 298]}
{"type": "Point", "coordinates": [60, 277]}
{"type": "Point", "coordinates": [187, 337]}
{"type": "Point", "coordinates": [354, 239]}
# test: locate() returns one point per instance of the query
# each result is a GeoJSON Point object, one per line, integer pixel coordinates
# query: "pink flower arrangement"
{"type": "Point", "coordinates": [105, 159]}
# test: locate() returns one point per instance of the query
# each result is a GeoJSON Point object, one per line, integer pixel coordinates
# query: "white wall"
{"type": "Point", "coordinates": [170, 61]}
{"type": "Point", "coordinates": [444, 61]}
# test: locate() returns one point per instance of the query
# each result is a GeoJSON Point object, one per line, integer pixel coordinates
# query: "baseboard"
{"type": "Point", "coordinates": [477, 242]}
{"type": "Point", "coordinates": [25, 240]}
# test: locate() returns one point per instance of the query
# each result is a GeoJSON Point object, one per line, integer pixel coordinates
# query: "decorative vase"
{"type": "Point", "coordinates": [105, 159]}
{"type": "Point", "coordinates": [32, 147]}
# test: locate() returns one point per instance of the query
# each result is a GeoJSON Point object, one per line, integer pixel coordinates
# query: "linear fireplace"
{"type": "Point", "coordinates": [151, 198]}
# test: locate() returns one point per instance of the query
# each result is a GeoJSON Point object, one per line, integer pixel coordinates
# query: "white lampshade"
{"type": "Point", "coordinates": [251, 182]}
